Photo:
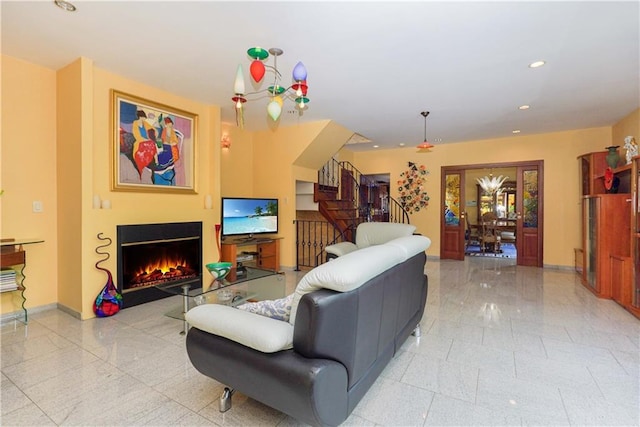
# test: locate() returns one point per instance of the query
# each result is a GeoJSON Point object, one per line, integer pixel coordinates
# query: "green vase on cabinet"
{"type": "Point", "coordinates": [613, 157]}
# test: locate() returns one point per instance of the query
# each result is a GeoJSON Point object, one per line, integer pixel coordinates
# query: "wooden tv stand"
{"type": "Point", "coordinates": [261, 252]}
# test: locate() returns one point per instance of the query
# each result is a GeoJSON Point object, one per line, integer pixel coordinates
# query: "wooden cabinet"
{"type": "Point", "coordinates": [269, 255]}
{"type": "Point", "coordinates": [486, 203]}
{"type": "Point", "coordinates": [621, 274]}
{"type": "Point", "coordinates": [592, 167]}
{"type": "Point", "coordinates": [610, 224]}
{"type": "Point", "coordinates": [261, 253]}
{"type": "Point", "coordinates": [592, 174]}
{"type": "Point", "coordinates": [634, 286]}
{"type": "Point", "coordinates": [578, 260]}
{"type": "Point", "coordinates": [606, 234]}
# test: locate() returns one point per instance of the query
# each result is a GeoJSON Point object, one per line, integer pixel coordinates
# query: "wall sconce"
{"type": "Point", "coordinates": [225, 141]}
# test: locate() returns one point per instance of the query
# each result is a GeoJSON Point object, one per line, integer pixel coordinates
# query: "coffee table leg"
{"type": "Point", "coordinates": [185, 308]}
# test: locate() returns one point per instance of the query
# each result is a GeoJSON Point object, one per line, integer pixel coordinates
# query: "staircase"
{"type": "Point", "coordinates": [344, 198]}
{"type": "Point", "coordinates": [342, 214]}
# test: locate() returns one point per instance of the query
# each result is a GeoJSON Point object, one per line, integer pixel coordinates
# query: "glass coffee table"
{"type": "Point", "coordinates": [255, 284]}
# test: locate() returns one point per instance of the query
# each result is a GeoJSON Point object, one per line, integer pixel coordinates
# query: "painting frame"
{"type": "Point", "coordinates": [153, 146]}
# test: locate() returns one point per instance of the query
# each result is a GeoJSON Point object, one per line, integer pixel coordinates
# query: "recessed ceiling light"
{"type": "Point", "coordinates": [515, 131]}
{"type": "Point", "coordinates": [524, 107]}
{"type": "Point", "coordinates": [401, 144]}
{"type": "Point", "coordinates": [65, 5]}
{"type": "Point", "coordinates": [537, 64]}
{"type": "Point", "coordinates": [376, 146]}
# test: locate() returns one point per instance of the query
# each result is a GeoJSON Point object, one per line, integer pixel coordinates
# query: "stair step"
{"type": "Point", "coordinates": [324, 192]}
{"type": "Point", "coordinates": [337, 214]}
{"type": "Point", "coordinates": [343, 214]}
{"type": "Point", "coordinates": [327, 188]}
{"type": "Point", "coordinates": [338, 204]}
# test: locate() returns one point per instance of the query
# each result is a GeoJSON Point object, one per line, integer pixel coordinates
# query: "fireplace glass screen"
{"type": "Point", "coordinates": [149, 255]}
{"type": "Point", "coordinates": [154, 263]}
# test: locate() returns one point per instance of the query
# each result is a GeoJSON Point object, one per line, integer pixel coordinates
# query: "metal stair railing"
{"type": "Point", "coordinates": [313, 236]}
{"type": "Point", "coordinates": [330, 176]}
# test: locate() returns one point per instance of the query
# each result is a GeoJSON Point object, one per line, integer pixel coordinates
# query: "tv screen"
{"type": "Point", "coordinates": [249, 216]}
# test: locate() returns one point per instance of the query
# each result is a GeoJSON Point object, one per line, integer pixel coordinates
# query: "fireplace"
{"type": "Point", "coordinates": [157, 254]}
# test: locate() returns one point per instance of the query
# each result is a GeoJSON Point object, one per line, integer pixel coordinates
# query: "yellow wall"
{"type": "Point", "coordinates": [56, 148]}
{"type": "Point", "coordinates": [28, 173]}
{"type": "Point", "coordinates": [82, 136]}
{"type": "Point", "coordinates": [561, 199]}
{"type": "Point", "coordinates": [236, 163]}
{"type": "Point", "coordinates": [629, 125]}
{"type": "Point", "coordinates": [284, 156]}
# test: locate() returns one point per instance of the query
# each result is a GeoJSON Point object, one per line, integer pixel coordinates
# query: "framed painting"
{"type": "Point", "coordinates": [153, 146]}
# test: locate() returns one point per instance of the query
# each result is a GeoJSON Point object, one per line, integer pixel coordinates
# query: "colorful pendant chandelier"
{"type": "Point", "coordinates": [276, 92]}
{"type": "Point", "coordinates": [425, 145]}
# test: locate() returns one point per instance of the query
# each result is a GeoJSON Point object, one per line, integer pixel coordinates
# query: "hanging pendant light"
{"type": "Point", "coordinates": [426, 145]}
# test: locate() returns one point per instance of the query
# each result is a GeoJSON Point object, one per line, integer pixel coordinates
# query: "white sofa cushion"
{"type": "Point", "coordinates": [340, 249]}
{"type": "Point", "coordinates": [410, 245]}
{"type": "Point", "coordinates": [347, 272]}
{"type": "Point", "coordinates": [377, 233]}
{"type": "Point", "coordinates": [252, 330]}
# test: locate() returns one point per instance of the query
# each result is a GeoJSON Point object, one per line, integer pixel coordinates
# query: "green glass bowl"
{"type": "Point", "coordinates": [219, 270]}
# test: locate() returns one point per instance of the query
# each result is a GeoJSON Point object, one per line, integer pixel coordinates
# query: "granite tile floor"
{"type": "Point", "coordinates": [501, 345]}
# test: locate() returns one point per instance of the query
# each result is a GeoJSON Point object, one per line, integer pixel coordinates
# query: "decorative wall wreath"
{"type": "Point", "coordinates": [411, 188]}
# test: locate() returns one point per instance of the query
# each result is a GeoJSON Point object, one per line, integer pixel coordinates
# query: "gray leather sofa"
{"type": "Point", "coordinates": [349, 318]}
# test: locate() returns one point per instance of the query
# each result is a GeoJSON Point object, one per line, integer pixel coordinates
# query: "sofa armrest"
{"type": "Point", "coordinates": [377, 233]}
{"type": "Point", "coordinates": [251, 330]}
{"type": "Point", "coordinates": [341, 248]}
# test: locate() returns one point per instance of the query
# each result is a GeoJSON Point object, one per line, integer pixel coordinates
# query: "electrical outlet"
{"type": "Point", "coordinates": [37, 206]}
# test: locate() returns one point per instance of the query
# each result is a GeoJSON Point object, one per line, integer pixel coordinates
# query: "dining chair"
{"type": "Point", "coordinates": [489, 233]}
{"type": "Point", "coordinates": [471, 234]}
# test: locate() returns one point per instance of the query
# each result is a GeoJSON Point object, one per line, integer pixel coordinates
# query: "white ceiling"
{"type": "Point", "coordinates": [373, 66]}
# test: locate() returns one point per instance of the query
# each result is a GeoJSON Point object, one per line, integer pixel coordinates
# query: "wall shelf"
{"type": "Point", "coordinates": [14, 256]}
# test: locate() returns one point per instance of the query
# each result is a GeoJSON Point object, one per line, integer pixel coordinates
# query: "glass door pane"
{"type": "Point", "coordinates": [452, 223]}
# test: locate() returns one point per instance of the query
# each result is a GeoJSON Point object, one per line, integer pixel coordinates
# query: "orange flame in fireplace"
{"type": "Point", "coordinates": [165, 264]}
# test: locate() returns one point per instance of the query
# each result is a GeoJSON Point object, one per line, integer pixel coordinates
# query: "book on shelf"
{"type": "Point", "coordinates": [8, 280]}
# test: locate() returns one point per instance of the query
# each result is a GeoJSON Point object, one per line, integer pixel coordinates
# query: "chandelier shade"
{"type": "Point", "coordinates": [257, 70]}
{"type": "Point", "coordinates": [258, 53]}
{"type": "Point", "coordinates": [238, 84]}
{"type": "Point", "coordinates": [276, 92]}
{"type": "Point", "coordinates": [274, 109]}
{"type": "Point", "coordinates": [300, 88]}
{"type": "Point", "coordinates": [299, 72]}
{"type": "Point", "coordinates": [491, 184]}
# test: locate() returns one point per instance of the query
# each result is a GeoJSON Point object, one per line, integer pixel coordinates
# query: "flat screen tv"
{"type": "Point", "coordinates": [248, 216]}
